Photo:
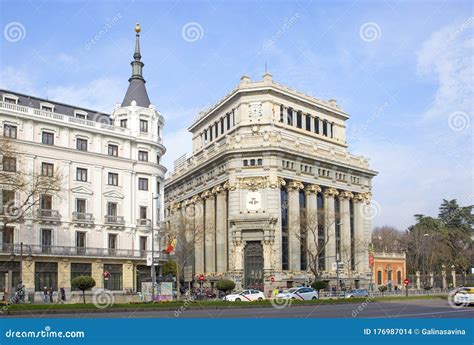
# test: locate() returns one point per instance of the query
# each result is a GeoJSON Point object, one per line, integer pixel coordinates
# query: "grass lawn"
{"type": "Point", "coordinates": [203, 304]}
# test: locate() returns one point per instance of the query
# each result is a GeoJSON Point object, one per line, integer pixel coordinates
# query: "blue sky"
{"type": "Point", "coordinates": [403, 70]}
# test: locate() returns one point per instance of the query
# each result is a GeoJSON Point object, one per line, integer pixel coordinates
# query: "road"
{"type": "Point", "coordinates": [389, 309]}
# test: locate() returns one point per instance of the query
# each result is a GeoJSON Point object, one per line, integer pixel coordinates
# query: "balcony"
{"type": "Point", "coordinates": [114, 221]}
{"type": "Point", "coordinates": [142, 222]}
{"type": "Point", "coordinates": [82, 218]}
{"type": "Point", "coordinates": [47, 215]}
{"type": "Point", "coordinates": [44, 250]}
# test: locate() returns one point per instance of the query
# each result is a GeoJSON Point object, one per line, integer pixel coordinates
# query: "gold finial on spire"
{"type": "Point", "coordinates": [137, 28]}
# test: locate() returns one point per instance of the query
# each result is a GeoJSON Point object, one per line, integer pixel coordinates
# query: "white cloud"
{"type": "Point", "coordinates": [447, 57]}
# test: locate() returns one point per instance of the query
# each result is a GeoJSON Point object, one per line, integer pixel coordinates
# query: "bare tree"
{"type": "Point", "coordinates": [387, 239]}
{"type": "Point", "coordinates": [351, 257]}
{"type": "Point", "coordinates": [22, 187]}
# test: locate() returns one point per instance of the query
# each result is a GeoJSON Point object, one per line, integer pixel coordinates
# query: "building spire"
{"type": "Point", "coordinates": [136, 89]}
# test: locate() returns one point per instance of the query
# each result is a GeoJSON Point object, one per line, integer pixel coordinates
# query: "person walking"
{"type": "Point", "coordinates": [51, 291]}
{"type": "Point", "coordinates": [45, 295]}
{"type": "Point", "coordinates": [62, 295]}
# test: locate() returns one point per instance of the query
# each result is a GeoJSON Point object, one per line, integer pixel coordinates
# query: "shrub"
{"type": "Point", "coordinates": [225, 285]}
{"type": "Point", "coordinates": [169, 268]}
{"type": "Point", "coordinates": [382, 289]}
{"type": "Point", "coordinates": [83, 283]}
{"type": "Point", "coordinates": [319, 285]}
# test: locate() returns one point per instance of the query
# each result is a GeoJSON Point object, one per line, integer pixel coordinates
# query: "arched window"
{"type": "Point", "coordinates": [399, 278]}
{"type": "Point", "coordinates": [379, 277]}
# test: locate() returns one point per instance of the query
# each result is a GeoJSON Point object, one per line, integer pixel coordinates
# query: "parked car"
{"type": "Point", "coordinates": [301, 293]}
{"type": "Point", "coordinates": [356, 293]}
{"type": "Point", "coordinates": [464, 296]}
{"type": "Point", "coordinates": [246, 296]}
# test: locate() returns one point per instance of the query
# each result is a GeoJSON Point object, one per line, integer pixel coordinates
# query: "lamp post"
{"type": "Point", "coordinates": [153, 274]}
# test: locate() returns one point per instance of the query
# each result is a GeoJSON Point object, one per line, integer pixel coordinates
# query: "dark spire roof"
{"type": "Point", "coordinates": [136, 89]}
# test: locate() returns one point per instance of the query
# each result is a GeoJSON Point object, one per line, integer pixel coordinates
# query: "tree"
{"type": "Point", "coordinates": [225, 285]}
{"type": "Point", "coordinates": [387, 239]}
{"type": "Point", "coordinates": [83, 283]}
{"type": "Point", "coordinates": [169, 268]}
{"type": "Point", "coordinates": [23, 188]}
{"type": "Point", "coordinates": [382, 289]}
{"type": "Point", "coordinates": [319, 285]}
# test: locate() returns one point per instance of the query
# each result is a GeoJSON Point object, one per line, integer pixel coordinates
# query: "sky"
{"type": "Point", "coordinates": [403, 70]}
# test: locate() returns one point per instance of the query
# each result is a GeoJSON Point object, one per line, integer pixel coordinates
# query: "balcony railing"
{"type": "Point", "coordinates": [48, 214]}
{"type": "Point", "coordinates": [144, 222]}
{"type": "Point", "coordinates": [77, 251]}
{"type": "Point", "coordinates": [118, 220]}
{"type": "Point", "coordinates": [82, 217]}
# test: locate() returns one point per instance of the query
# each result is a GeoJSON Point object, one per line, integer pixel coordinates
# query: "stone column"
{"type": "Point", "coordinates": [330, 227]}
{"type": "Point", "coordinates": [199, 230]}
{"type": "Point", "coordinates": [209, 233]}
{"type": "Point", "coordinates": [28, 274]}
{"type": "Point", "coordinates": [267, 255]}
{"type": "Point", "coordinates": [418, 283]}
{"type": "Point", "coordinates": [64, 274]}
{"type": "Point", "coordinates": [443, 274]}
{"type": "Point", "coordinates": [359, 243]}
{"type": "Point", "coordinates": [345, 227]}
{"type": "Point", "coordinates": [294, 230]}
{"type": "Point", "coordinates": [97, 274]}
{"type": "Point", "coordinates": [221, 228]}
{"type": "Point", "coordinates": [453, 275]}
{"type": "Point", "coordinates": [128, 275]}
{"type": "Point", "coordinates": [311, 223]}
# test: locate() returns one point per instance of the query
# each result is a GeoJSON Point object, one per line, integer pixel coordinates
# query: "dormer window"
{"type": "Point", "coordinates": [144, 126]}
{"type": "Point", "coordinates": [47, 107]}
{"type": "Point", "coordinates": [123, 123]}
{"type": "Point", "coordinates": [7, 98]}
{"type": "Point", "coordinates": [80, 114]}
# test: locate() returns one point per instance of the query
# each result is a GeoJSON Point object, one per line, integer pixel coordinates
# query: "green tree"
{"type": "Point", "coordinates": [319, 285]}
{"type": "Point", "coordinates": [225, 285]}
{"type": "Point", "coordinates": [382, 289]}
{"type": "Point", "coordinates": [83, 283]}
{"type": "Point", "coordinates": [169, 268]}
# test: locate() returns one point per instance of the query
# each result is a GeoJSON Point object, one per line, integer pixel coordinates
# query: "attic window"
{"type": "Point", "coordinates": [80, 114]}
{"type": "Point", "coordinates": [7, 98]}
{"type": "Point", "coordinates": [47, 107]}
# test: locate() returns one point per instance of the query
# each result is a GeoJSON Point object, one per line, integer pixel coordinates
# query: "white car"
{"type": "Point", "coordinates": [464, 296]}
{"type": "Point", "coordinates": [301, 293]}
{"type": "Point", "coordinates": [246, 296]}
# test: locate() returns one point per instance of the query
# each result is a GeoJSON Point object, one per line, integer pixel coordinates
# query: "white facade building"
{"type": "Point", "coordinates": [100, 222]}
{"type": "Point", "coordinates": [266, 158]}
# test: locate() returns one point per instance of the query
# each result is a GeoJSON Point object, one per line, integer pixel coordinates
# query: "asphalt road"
{"type": "Point", "coordinates": [389, 309]}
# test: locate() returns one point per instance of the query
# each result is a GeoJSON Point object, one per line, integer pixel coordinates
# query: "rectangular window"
{"type": "Point", "coordinates": [47, 169]}
{"type": "Point", "coordinates": [46, 276]}
{"type": "Point", "coordinates": [143, 212]}
{"type": "Point", "coordinates": [81, 174]}
{"type": "Point", "coordinates": [9, 164]}
{"type": "Point", "coordinates": [80, 242]}
{"type": "Point", "coordinates": [143, 156]}
{"type": "Point", "coordinates": [112, 243]}
{"type": "Point", "coordinates": [80, 269]}
{"type": "Point", "coordinates": [112, 179]}
{"type": "Point", "coordinates": [142, 183]}
{"type": "Point", "coordinates": [81, 116]}
{"type": "Point", "coordinates": [308, 122]}
{"type": "Point", "coordinates": [222, 126]}
{"type": "Point", "coordinates": [316, 125]}
{"type": "Point", "coordinates": [144, 126]}
{"type": "Point", "coordinates": [228, 121]}
{"type": "Point", "coordinates": [216, 129]}
{"type": "Point", "coordinates": [379, 277]}
{"type": "Point", "coordinates": [289, 116]}
{"type": "Point", "coordinates": [143, 243]}
{"type": "Point", "coordinates": [113, 150]}
{"type": "Point", "coordinates": [46, 202]}
{"type": "Point", "coordinates": [210, 134]}
{"type": "Point", "coordinates": [81, 144]}
{"type": "Point", "coordinates": [46, 240]}
{"type": "Point", "coordinates": [158, 188]}
{"type": "Point", "coordinates": [299, 120]}
{"type": "Point", "coordinates": [9, 131]}
{"type": "Point", "coordinates": [123, 123]}
{"type": "Point", "coordinates": [282, 115]}
{"type": "Point", "coordinates": [8, 196]}
{"type": "Point", "coordinates": [47, 138]}
{"type": "Point", "coordinates": [112, 209]}
{"type": "Point", "coordinates": [46, 108]}
{"type": "Point", "coordinates": [114, 281]}
{"type": "Point", "coordinates": [325, 128]}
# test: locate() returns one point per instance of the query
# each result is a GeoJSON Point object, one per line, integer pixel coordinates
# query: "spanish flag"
{"type": "Point", "coordinates": [171, 245]}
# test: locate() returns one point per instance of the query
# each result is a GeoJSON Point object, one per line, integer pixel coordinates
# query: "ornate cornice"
{"type": "Point", "coordinates": [217, 189]}
{"type": "Point", "coordinates": [207, 194]}
{"type": "Point", "coordinates": [229, 186]}
{"type": "Point", "coordinates": [278, 183]}
{"type": "Point", "coordinates": [295, 185]}
{"type": "Point", "coordinates": [313, 188]}
{"type": "Point", "coordinates": [253, 183]}
{"type": "Point", "coordinates": [330, 192]}
{"type": "Point", "coordinates": [346, 195]}
{"type": "Point", "coordinates": [195, 199]}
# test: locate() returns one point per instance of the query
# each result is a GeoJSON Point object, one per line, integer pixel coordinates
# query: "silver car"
{"type": "Point", "coordinates": [356, 293]}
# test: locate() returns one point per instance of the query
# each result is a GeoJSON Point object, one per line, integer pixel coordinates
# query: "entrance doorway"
{"type": "Point", "coordinates": [253, 265]}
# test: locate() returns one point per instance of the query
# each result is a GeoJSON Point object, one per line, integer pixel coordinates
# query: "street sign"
{"type": "Point", "coordinates": [406, 281]}
{"type": "Point", "coordinates": [202, 278]}
{"type": "Point", "coordinates": [371, 259]}
{"type": "Point", "coordinates": [272, 279]}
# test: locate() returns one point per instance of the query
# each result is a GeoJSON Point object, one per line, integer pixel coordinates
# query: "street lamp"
{"type": "Point", "coordinates": [153, 274]}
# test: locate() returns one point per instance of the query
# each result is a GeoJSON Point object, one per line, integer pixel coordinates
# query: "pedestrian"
{"type": "Point", "coordinates": [51, 291]}
{"type": "Point", "coordinates": [275, 291]}
{"type": "Point", "coordinates": [45, 295]}
{"type": "Point", "coordinates": [62, 293]}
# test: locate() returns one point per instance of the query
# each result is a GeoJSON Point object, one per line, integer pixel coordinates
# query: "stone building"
{"type": "Point", "coordinates": [100, 222]}
{"type": "Point", "coordinates": [265, 160]}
